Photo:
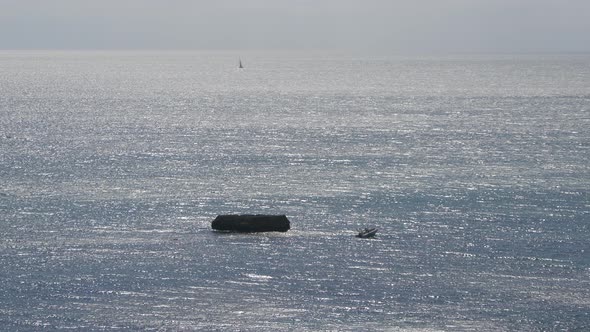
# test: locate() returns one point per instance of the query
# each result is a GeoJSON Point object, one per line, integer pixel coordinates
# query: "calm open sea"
{"type": "Point", "coordinates": [475, 169]}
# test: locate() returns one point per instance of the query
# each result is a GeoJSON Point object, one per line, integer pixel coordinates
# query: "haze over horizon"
{"type": "Point", "coordinates": [381, 26]}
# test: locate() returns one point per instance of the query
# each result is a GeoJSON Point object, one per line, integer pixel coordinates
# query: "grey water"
{"type": "Point", "coordinates": [474, 168]}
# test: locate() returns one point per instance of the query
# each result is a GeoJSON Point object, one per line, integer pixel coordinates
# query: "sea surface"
{"type": "Point", "coordinates": [475, 169]}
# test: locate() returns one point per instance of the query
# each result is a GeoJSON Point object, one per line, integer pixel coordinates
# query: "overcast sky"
{"type": "Point", "coordinates": [392, 26]}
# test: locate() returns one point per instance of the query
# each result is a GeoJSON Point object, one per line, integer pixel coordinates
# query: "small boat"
{"type": "Point", "coordinates": [367, 233]}
{"type": "Point", "coordinates": [240, 65]}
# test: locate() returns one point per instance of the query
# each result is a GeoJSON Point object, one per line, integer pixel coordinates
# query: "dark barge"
{"type": "Point", "coordinates": [250, 223]}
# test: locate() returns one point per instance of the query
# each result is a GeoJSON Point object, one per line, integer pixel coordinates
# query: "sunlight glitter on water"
{"type": "Point", "coordinates": [109, 185]}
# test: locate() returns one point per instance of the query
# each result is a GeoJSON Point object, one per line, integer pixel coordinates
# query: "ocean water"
{"type": "Point", "coordinates": [474, 168]}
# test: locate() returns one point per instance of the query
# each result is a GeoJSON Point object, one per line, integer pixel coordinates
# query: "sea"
{"type": "Point", "coordinates": [474, 168]}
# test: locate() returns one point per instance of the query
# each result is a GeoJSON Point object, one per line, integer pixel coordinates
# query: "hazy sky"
{"type": "Point", "coordinates": [392, 26]}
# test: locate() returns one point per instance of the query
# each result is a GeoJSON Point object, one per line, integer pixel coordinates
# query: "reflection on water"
{"type": "Point", "coordinates": [113, 168]}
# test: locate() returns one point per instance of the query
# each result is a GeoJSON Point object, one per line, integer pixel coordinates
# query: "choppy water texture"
{"type": "Point", "coordinates": [475, 169]}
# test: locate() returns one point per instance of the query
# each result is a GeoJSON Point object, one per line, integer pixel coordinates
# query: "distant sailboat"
{"type": "Point", "coordinates": [240, 65]}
